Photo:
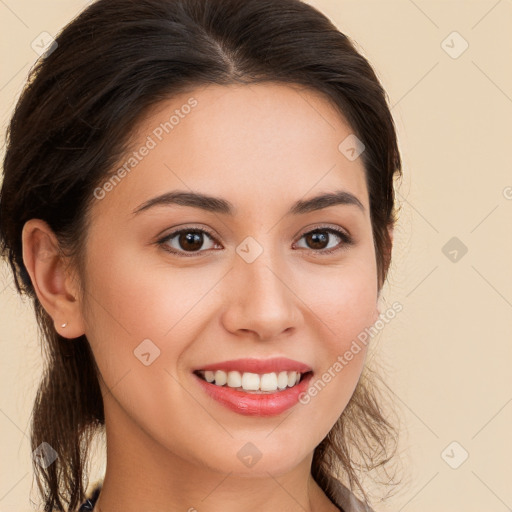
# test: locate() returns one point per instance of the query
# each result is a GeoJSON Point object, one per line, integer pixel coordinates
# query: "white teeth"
{"type": "Point", "coordinates": [234, 379]}
{"type": "Point", "coordinates": [282, 380]}
{"type": "Point", "coordinates": [252, 381]}
{"type": "Point", "coordinates": [220, 378]}
{"type": "Point", "coordinates": [268, 382]}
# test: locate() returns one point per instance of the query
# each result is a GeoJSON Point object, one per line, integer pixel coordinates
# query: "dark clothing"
{"type": "Point", "coordinates": [89, 503]}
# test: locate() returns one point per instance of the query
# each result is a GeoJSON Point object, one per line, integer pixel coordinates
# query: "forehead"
{"type": "Point", "coordinates": [263, 142]}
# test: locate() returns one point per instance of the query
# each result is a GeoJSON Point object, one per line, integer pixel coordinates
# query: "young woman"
{"type": "Point", "coordinates": [198, 197]}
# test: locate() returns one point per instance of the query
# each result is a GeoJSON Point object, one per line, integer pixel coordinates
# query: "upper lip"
{"type": "Point", "coordinates": [261, 366]}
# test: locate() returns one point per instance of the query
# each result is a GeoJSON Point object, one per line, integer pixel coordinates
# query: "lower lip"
{"type": "Point", "coordinates": [252, 404]}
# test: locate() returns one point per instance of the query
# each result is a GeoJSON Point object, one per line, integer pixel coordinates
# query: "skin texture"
{"type": "Point", "coordinates": [169, 445]}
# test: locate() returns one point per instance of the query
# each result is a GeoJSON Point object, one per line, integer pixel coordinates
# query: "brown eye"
{"type": "Point", "coordinates": [190, 241]}
{"type": "Point", "coordinates": [319, 239]}
{"type": "Point", "coordinates": [186, 241]}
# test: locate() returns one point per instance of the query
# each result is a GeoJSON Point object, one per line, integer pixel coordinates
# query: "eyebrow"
{"type": "Point", "coordinates": [222, 206]}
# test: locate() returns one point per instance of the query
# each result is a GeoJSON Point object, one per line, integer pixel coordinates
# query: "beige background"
{"type": "Point", "coordinates": [448, 353]}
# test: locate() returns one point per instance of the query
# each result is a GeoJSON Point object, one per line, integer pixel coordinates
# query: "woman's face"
{"type": "Point", "coordinates": [255, 284]}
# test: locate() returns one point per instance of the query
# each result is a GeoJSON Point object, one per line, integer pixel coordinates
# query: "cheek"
{"type": "Point", "coordinates": [343, 308]}
{"type": "Point", "coordinates": [140, 319]}
{"type": "Point", "coordinates": [345, 320]}
{"type": "Point", "coordinates": [344, 301]}
{"type": "Point", "coordinates": [138, 298]}
{"type": "Point", "coordinates": [130, 302]}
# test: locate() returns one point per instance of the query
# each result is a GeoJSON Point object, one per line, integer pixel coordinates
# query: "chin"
{"type": "Point", "coordinates": [256, 459]}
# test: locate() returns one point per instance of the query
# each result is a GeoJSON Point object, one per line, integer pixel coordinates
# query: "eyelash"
{"type": "Point", "coordinates": [346, 240]}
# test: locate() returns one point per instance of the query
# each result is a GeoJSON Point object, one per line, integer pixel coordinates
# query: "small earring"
{"type": "Point", "coordinates": [64, 325]}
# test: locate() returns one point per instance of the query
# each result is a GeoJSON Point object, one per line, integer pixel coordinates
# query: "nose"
{"type": "Point", "coordinates": [261, 300]}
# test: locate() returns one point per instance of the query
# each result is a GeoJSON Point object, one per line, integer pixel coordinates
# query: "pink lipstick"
{"type": "Point", "coordinates": [252, 401]}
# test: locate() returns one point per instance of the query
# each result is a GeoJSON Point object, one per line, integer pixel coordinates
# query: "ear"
{"type": "Point", "coordinates": [380, 302]}
{"type": "Point", "coordinates": [53, 283]}
{"type": "Point", "coordinates": [391, 230]}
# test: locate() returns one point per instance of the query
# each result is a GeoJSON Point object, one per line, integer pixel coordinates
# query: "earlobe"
{"type": "Point", "coordinates": [378, 308]}
{"type": "Point", "coordinates": [47, 269]}
{"type": "Point", "coordinates": [391, 231]}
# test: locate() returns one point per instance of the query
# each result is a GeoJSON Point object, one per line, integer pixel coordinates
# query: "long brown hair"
{"type": "Point", "coordinates": [73, 122]}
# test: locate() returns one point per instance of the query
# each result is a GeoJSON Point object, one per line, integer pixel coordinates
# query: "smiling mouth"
{"type": "Point", "coordinates": [253, 383]}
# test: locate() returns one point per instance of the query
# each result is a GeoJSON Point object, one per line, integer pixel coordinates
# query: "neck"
{"type": "Point", "coordinates": [143, 475]}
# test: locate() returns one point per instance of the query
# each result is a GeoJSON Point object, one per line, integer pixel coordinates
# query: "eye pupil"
{"type": "Point", "coordinates": [318, 237]}
{"type": "Point", "coordinates": [193, 240]}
